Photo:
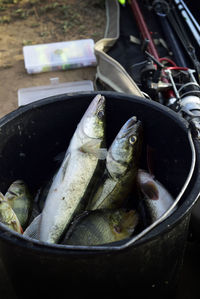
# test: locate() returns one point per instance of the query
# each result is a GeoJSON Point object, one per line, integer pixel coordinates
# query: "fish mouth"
{"type": "Point", "coordinates": [97, 104]}
{"type": "Point", "coordinates": [130, 127]}
{"type": "Point", "coordinates": [100, 100]}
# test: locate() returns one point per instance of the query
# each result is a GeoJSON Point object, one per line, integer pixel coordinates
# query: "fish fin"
{"type": "Point", "coordinates": [17, 227]}
{"type": "Point", "coordinates": [65, 164]}
{"type": "Point", "coordinates": [104, 197]}
{"type": "Point", "coordinates": [67, 234]}
{"type": "Point", "coordinates": [150, 190]}
{"type": "Point", "coordinates": [32, 231]}
{"type": "Point", "coordinates": [93, 202]}
{"type": "Point", "coordinates": [92, 147]}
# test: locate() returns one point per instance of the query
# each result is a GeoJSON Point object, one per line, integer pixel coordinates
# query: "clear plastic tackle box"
{"type": "Point", "coordinates": [59, 56]}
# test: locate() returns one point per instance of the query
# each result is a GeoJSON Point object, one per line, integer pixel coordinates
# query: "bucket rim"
{"type": "Point", "coordinates": [71, 96]}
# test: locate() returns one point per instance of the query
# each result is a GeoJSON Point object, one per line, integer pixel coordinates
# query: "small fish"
{"type": "Point", "coordinates": [77, 175]}
{"type": "Point", "coordinates": [20, 200]}
{"type": "Point", "coordinates": [101, 227]}
{"type": "Point", "coordinates": [157, 198]}
{"type": "Point", "coordinates": [8, 216]}
{"type": "Point", "coordinates": [121, 167]}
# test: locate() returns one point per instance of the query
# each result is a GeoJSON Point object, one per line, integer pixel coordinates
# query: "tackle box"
{"type": "Point", "coordinates": [59, 56]}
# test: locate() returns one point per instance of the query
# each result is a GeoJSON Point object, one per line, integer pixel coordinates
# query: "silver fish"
{"type": "Point", "coordinates": [20, 200]}
{"type": "Point", "coordinates": [8, 216]}
{"type": "Point", "coordinates": [101, 227]}
{"type": "Point", "coordinates": [121, 167]}
{"type": "Point", "coordinates": [73, 182]}
{"type": "Point", "coordinates": [157, 198]}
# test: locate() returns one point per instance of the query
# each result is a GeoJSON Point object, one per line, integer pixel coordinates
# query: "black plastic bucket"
{"type": "Point", "coordinates": [32, 136]}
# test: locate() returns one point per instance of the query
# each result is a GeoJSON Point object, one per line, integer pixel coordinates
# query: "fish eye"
{"type": "Point", "coordinates": [132, 139]}
{"type": "Point", "coordinates": [100, 114]}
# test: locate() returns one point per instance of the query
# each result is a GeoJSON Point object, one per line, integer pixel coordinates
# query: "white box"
{"type": "Point", "coordinates": [32, 94]}
{"type": "Point", "coordinates": [59, 56]}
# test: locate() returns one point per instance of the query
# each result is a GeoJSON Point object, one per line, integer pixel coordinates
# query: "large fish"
{"type": "Point", "coordinates": [8, 216]}
{"type": "Point", "coordinates": [158, 200]}
{"type": "Point", "coordinates": [72, 185]}
{"type": "Point", "coordinates": [121, 167]}
{"type": "Point", "coordinates": [101, 227]}
{"type": "Point", "coordinates": [20, 200]}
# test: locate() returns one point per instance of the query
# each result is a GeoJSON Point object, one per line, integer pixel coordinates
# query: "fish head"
{"type": "Point", "coordinates": [16, 189]}
{"type": "Point", "coordinates": [93, 121]}
{"type": "Point", "coordinates": [126, 148]}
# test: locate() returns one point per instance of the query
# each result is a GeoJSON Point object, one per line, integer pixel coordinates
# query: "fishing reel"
{"type": "Point", "coordinates": [187, 96]}
{"type": "Point", "coordinates": [160, 82]}
{"type": "Point", "coordinates": [150, 76]}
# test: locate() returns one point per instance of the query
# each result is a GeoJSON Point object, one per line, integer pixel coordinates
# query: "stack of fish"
{"type": "Point", "coordinates": [86, 203]}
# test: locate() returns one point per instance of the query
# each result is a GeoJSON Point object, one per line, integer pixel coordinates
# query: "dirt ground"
{"type": "Point", "coordinates": [36, 22]}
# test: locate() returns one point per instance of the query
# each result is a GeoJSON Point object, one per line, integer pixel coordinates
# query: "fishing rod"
{"type": "Point", "coordinates": [162, 10]}
{"type": "Point", "coordinates": [143, 28]}
{"type": "Point", "coordinates": [152, 76]}
{"type": "Point", "coordinates": [189, 19]}
{"type": "Point", "coordinates": [183, 36]}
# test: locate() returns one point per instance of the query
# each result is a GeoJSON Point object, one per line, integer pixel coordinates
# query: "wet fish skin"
{"type": "Point", "coordinates": [101, 227]}
{"type": "Point", "coordinates": [20, 200]}
{"type": "Point", "coordinates": [8, 216]}
{"type": "Point", "coordinates": [121, 167]}
{"type": "Point", "coordinates": [71, 185]}
{"type": "Point", "coordinates": [157, 198]}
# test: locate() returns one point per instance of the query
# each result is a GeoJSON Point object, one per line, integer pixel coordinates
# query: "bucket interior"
{"type": "Point", "coordinates": [33, 137]}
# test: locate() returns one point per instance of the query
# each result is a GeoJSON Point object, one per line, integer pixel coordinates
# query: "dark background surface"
{"type": "Point", "coordinates": [189, 280]}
